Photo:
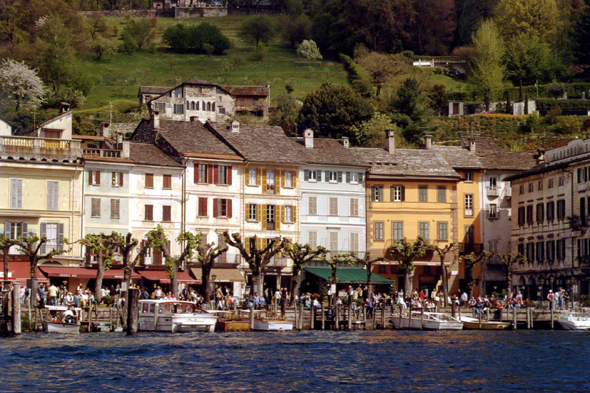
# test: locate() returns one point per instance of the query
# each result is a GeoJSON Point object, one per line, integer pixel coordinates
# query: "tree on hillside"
{"type": "Point", "coordinates": [442, 253]}
{"type": "Point", "coordinates": [368, 263]}
{"type": "Point", "coordinates": [286, 113]}
{"type": "Point", "coordinates": [295, 29]}
{"type": "Point", "coordinates": [470, 13]}
{"type": "Point", "coordinates": [101, 246]}
{"type": "Point", "coordinates": [207, 255]}
{"type": "Point", "coordinates": [257, 256]}
{"type": "Point", "coordinates": [300, 254]}
{"type": "Point", "coordinates": [372, 132]}
{"type": "Point", "coordinates": [331, 111]}
{"type": "Point", "coordinates": [470, 261]}
{"type": "Point", "coordinates": [383, 67]}
{"type": "Point", "coordinates": [257, 29]}
{"type": "Point", "coordinates": [20, 85]}
{"type": "Point", "coordinates": [309, 50]}
{"type": "Point", "coordinates": [405, 252]}
{"type": "Point", "coordinates": [486, 70]}
{"type": "Point", "coordinates": [582, 38]}
{"type": "Point", "coordinates": [138, 34]}
{"type": "Point", "coordinates": [97, 26]}
{"type": "Point", "coordinates": [58, 55]}
{"type": "Point", "coordinates": [431, 27]}
{"type": "Point", "coordinates": [528, 17]}
{"type": "Point", "coordinates": [409, 100]}
{"type": "Point", "coordinates": [102, 46]}
{"type": "Point", "coordinates": [529, 61]}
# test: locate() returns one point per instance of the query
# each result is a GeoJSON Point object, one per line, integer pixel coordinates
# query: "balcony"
{"type": "Point", "coordinates": [493, 191]}
{"type": "Point", "coordinates": [468, 248]}
{"type": "Point", "coordinates": [278, 262]}
{"type": "Point", "coordinates": [100, 153]}
{"type": "Point", "coordinates": [20, 146]}
{"type": "Point", "coordinates": [507, 192]}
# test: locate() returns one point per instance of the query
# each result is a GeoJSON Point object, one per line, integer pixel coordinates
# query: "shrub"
{"type": "Point", "coordinates": [567, 105]}
{"type": "Point", "coordinates": [309, 50]}
{"type": "Point", "coordinates": [358, 76]}
{"type": "Point", "coordinates": [556, 90]}
{"type": "Point", "coordinates": [196, 39]}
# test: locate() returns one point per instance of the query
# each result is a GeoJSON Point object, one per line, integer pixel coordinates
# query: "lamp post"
{"type": "Point", "coordinates": [573, 283]}
{"type": "Point", "coordinates": [542, 285]}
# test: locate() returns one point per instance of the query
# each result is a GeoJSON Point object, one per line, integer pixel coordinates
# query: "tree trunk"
{"type": "Point", "coordinates": [445, 280]}
{"type": "Point", "coordinates": [369, 281]}
{"type": "Point", "coordinates": [5, 252]}
{"type": "Point", "coordinates": [407, 282]}
{"type": "Point", "coordinates": [469, 279]}
{"type": "Point", "coordinates": [127, 281]}
{"type": "Point", "coordinates": [99, 277]}
{"type": "Point", "coordinates": [295, 282]}
{"type": "Point", "coordinates": [174, 279]}
{"type": "Point", "coordinates": [205, 273]}
{"type": "Point", "coordinates": [34, 285]}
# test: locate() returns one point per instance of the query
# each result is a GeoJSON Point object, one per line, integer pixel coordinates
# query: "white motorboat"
{"type": "Point", "coordinates": [61, 327]}
{"type": "Point", "coordinates": [173, 316]}
{"type": "Point", "coordinates": [405, 322]}
{"type": "Point", "coordinates": [575, 321]}
{"type": "Point", "coordinates": [441, 321]}
{"type": "Point", "coordinates": [267, 321]}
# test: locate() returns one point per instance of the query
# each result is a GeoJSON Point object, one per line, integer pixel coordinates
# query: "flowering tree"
{"type": "Point", "coordinates": [309, 50]}
{"type": "Point", "coordinates": [20, 85]}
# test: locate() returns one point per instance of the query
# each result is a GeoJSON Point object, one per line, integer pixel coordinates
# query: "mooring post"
{"type": "Point", "coordinates": [453, 311]}
{"type": "Point", "coordinates": [296, 316]}
{"type": "Point", "coordinates": [312, 316]}
{"type": "Point", "coordinates": [459, 308]}
{"type": "Point", "coordinates": [365, 316]}
{"type": "Point", "coordinates": [528, 317]}
{"type": "Point", "coordinates": [410, 317]}
{"type": "Point", "coordinates": [514, 318]}
{"type": "Point", "coordinates": [16, 326]}
{"type": "Point", "coordinates": [323, 316]}
{"type": "Point", "coordinates": [350, 313]}
{"type": "Point", "coordinates": [551, 317]}
{"type": "Point", "coordinates": [336, 317]}
{"type": "Point", "coordinates": [132, 312]}
{"type": "Point", "coordinates": [532, 319]}
{"type": "Point", "coordinates": [300, 316]}
{"type": "Point", "coordinates": [421, 318]}
{"type": "Point", "coordinates": [374, 316]}
{"type": "Point", "coordinates": [479, 319]}
{"type": "Point", "coordinates": [251, 317]}
{"type": "Point", "coordinates": [400, 315]}
{"type": "Point", "coordinates": [383, 316]}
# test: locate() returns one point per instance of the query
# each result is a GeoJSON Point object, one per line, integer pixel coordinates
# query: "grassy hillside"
{"type": "Point", "coordinates": [117, 77]}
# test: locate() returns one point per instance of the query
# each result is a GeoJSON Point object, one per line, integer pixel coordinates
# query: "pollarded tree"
{"type": "Point", "coordinates": [101, 246]}
{"type": "Point", "coordinates": [509, 260]}
{"type": "Point", "coordinates": [5, 244]}
{"type": "Point", "coordinates": [20, 85]}
{"type": "Point", "coordinates": [35, 249]}
{"type": "Point", "coordinates": [207, 255]}
{"type": "Point", "coordinates": [256, 256]}
{"type": "Point", "coordinates": [190, 243]}
{"type": "Point", "coordinates": [300, 254]}
{"type": "Point", "coordinates": [470, 261]}
{"type": "Point", "coordinates": [486, 70]}
{"type": "Point", "coordinates": [442, 253]}
{"type": "Point", "coordinates": [334, 262]}
{"type": "Point", "coordinates": [368, 263]}
{"type": "Point", "coordinates": [406, 252]}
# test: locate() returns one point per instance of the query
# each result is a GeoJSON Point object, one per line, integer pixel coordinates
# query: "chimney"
{"type": "Point", "coordinates": [235, 126]}
{"type": "Point", "coordinates": [390, 141]}
{"type": "Point", "coordinates": [193, 119]}
{"type": "Point", "coordinates": [64, 107]}
{"type": "Point", "coordinates": [155, 119]}
{"type": "Point", "coordinates": [308, 138]}
{"type": "Point", "coordinates": [125, 146]}
{"type": "Point", "coordinates": [345, 142]}
{"type": "Point", "coordinates": [119, 138]}
{"type": "Point", "coordinates": [105, 130]}
{"type": "Point", "coordinates": [472, 146]}
{"type": "Point", "coordinates": [428, 142]}
{"type": "Point", "coordinates": [268, 86]}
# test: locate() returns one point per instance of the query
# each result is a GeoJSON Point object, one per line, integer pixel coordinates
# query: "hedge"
{"type": "Point", "coordinates": [358, 76]}
{"type": "Point", "coordinates": [566, 105]}
{"type": "Point", "coordinates": [572, 90]}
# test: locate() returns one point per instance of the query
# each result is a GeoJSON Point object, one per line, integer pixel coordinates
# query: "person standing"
{"type": "Point", "coordinates": [561, 294]}
{"type": "Point", "coordinates": [283, 303]}
{"type": "Point", "coordinates": [53, 295]}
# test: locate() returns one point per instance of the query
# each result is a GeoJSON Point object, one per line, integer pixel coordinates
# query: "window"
{"type": "Point", "coordinates": [521, 249]}
{"type": "Point", "coordinates": [521, 216]}
{"type": "Point", "coordinates": [252, 178]}
{"type": "Point", "coordinates": [242, 103]}
{"type": "Point", "coordinates": [167, 213]}
{"type": "Point", "coordinates": [521, 189]}
{"type": "Point", "coordinates": [288, 179]}
{"type": "Point", "coordinates": [550, 247]}
{"type": "Point", "coordinates": [529, 214]}
{"type": "Point", "coordinates": [424, 230]}
{"type": "Point", "coordinates": [562, 181]}
{"type": "Point", "coordinates": [149, 213]}
{"type": "Point", "coordinates": [288, 214]}
{"type": "Point", "coordinates": [16, 193]}
{"type": "Point", "coordinates": [14, 230]}
{"type": "Point", "coordinates": [167, 182]}
{"type": "Point", "coordinates": [397, 193]}
{"type": "Point", "coordinates": [223, 174]}
{"type": "Point", "coordinates": [377, 193]}
{"type": "Point", "coordinates": [313, 175]}
{"type": "Point", "coordinates": [334, 242]}
{"type": "Point", "coordinates": [222, 208]}
{"type": "Point", "coordinates": [560, 249]}
{"type": "Point", "coordinates": [382, 269]}
{"type": "Point", "coordinates": [178, 92]}
{"type": "Point", "coordinates": [178, 109]}
{"type": "Point", "coordinates": [117, 179]}
{"type": "Point", "coordinates": [54, 233]}
{"type": "Point", "coordinates": [52, 195]}
{"type": "Point", "coordinates": [530, 252]}
{"type": "Point", "coordinates": [270, 181]}
{"type": "Point", "coordinates": [354, 242]}
{"type": "Point", "coordinates": [423, 193]}
{"type": "Point", "coordinates": [540, 213]}
{"type": "Point", "coordinates": [531, 187]}
{"type": "Point", "coordinates": [94, 178]}
{"type": "Point", "coordinates": [493, 211]}
{"type": "Point", "coordinates": [354, 177]}
{"type": "Point", "coordinates": [201, 174]}
{"type": "Point", "coordinates": [468, 205]}
{"type": "Point", "coordinates": [333, 206]}
{"type": "Point", "coordinates": [550, 211]}
{"type": "Point", "coordinates": [312, 239]}
{"type": "Point", "coordinates": [469, 238]}
{"type": "Point", "coordinates": [354, 207]}
{"type": "Point", "coordinates": [561, 209]}
{"type": "Point", "coordinates": [333, 176]}
{"type": "Point", "coordinates": [398, 230]}
{"type": "Point", "coordinates": [443, 231]}
{"type": "Point", "coordinates": [202, 210]}
{"type": "Point", "coordinates": [540, 252]}
{"type": "Point", "coordinates": [313, 206]}
{"type": "Point", "coordinates": [540, 185]}
{"type": "Point", "coordinates": [222, 110]}
{"type": "Point", "coordinates": [209, 106]}
{"type": "Point", "coordinates": [270, 216]}
{"type": "Point", "coordinates": [149, 180]}
{"type": "Point", "coordinates": [115, 208]}
{"type": "Point", "coordinates": [379, 230]}
{"type": "Point", "coordinates": [95, 208]}
{"type": "Point", "coordinates": [468, 176]}
{"type": "Point", "coordinates": [493, 182]}
{"type": "Point", "coordinates": [442, 194]}
{"type": "Point", "coordinates": [550, 183]}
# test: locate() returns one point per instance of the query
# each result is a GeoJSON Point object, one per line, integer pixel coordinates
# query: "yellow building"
{"type": "Point", "coordinates": [40, 186]}
{"type": "Point", "coordinates": [412, 192]}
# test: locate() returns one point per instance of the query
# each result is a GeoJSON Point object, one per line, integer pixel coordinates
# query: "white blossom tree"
{"type": "Point", "coordinates": [20, 85]}
{"type": "Point", "coordinates": [309, 50]}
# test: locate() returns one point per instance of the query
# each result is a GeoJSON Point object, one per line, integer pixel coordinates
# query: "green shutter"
{"type": "Point", "coordinates": [339, 177]}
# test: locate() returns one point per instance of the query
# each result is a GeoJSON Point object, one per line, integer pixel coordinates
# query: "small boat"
{"type": "Point", "coordinates": [575, 321]}
{"type": "Point", "coordinates": [173, 316]}
{"type": "Point", "coordinates": [268, 322]}
{"type": "Point", "coordinates": [61, 327]}
{"type": "Point", "coordinates": [441, 321]}
{"type": "Point", "coordinates": [474, 324]}
{"type": "Point", "coordinates": [405, 322]}
{"type": "Point", "coordinates": [228, 321]}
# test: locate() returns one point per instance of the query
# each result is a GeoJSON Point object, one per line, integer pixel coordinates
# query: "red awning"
{"type": "Point", "coordinates": [21, 271]}
{"type": "Point", "coordinates": [117, 274]}
{"type": "Point", "coordinates": [163, 278]}
{"type": "Point", "coordinates": [76, 272]}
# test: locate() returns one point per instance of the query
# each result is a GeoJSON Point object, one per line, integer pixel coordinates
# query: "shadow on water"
{"type": "Point", "coordinates": [374, 361]}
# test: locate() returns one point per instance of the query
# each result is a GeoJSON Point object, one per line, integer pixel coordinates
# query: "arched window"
{"type": "Point", "coordinates": [197, 106]}
{"type": "Point", "coordinates": [208, 106]}
{"type": "Point", "coordinates": [203, 107]}
{"type": "Point", "coordinates": [213, 107]}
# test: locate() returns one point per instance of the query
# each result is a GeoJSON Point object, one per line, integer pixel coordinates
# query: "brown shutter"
{"type": "Point", "coordinates": [113, 178]}
{"type": "Point", "coordinates": [167, 213]}
{"type": "Point", "coordinates": [229, 175]}
{"type": "Point", "coordinates": [247, 176]}
{"type": "Point", "coordinates": [278, 181]}
{"type": "Point", "coordinates": [215, 207]}
{"type": "Point", "coordinates": [196, 174]}
{"type": "Point", "coordinates": [264, 181]}
{"type": "Point", "coordinates": [264, 217]}
{"type": "Point", "coordinates": [98, 178]}
{"type": "Point", "coordinates": [403, 193]}
{"type": "Point", "coordinates": [258, 213]}
{"type": "Point", "coordinates": [259, 243]}
{"type": "Point", "coordinates": [278, 216]}
{"type": "Point", "coordinates": [210, 175]}
{"type": "Point", "coordinates": [121, 179]}
{"type": "Point", "coordinates": [167, 180]}
{"type": "Point", "coordinates": [257, 177]}
{"type": "Point", "coordinates": [149, 180]}
{"type": "Point", "coordinates": [247, 211]}
{"type": "Point", "coordinates": [229, 208]}
{"type": "Point", "coordinates": [294, 179]}
{"type": "Point", "coordinates": [215, 174]}
{"type": "Point", "coordinates": [149, 213]}
{"type": "Point", "coordinates": [203, 207]}
{"type": "Point", "coordinates": [294, 213]}
{"type": "Point", "coordinates": [248, 245]}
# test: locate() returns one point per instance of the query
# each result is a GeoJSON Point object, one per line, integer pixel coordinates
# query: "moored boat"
{"type": "Point", "coordinates": [575, 321]}
{"type": "Point", "coordinates": [173, 316]}
{"type": "Point", "coordinates": [267, 321]}
{"type": "Point", "coordinates": [61, 327]}
{"type": "Point", "coordinates": [405, 322]}
{"type": "Point", "coordinates": [474, 324]}
{"type": "Point", "coordinates": [441, 321]}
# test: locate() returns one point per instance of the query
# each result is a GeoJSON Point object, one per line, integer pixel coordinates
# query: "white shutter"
{"type": "Point", "coordinates": [7, 229]}
{"type": "Point", "coordinates": [25, 229]}
{"type": "Point", "coordinates": [43, 234]}
{"type": "Point", "coordinates": [16, 193]}
{"type": "Point", "coordinates": [60, 236]}
{"type": "Point", "coordinates": [52, 195]}
{"type": "Point", "coordinates": [20, 193]}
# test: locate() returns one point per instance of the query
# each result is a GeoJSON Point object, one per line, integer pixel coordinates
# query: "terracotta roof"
{"type": "Point", "coordinates": [248, 90]}
{"type": "Point", "coordinates": [153, 90]}
{"type": "Point", "coordinates": [260, 143]}
{"type": "Point", "coordinates": [149, 154]}
{"type": "Point", "coordinates": [329, 152]}
{"type": "Point", "coordinates": [189, 138]}
{"type": "Point", "coordinates": [406, 162]}
{"type": "Point", "coordinates": [493, 156]}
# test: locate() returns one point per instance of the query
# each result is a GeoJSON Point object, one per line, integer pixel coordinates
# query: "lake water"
{"type": "Point", "coordinates": [371, 361]}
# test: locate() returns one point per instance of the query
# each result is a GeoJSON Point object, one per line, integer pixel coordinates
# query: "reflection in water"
{"type": "Point", "coordinates": [298, 361]}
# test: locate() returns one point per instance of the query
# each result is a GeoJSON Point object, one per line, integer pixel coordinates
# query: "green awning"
{"type": "Point", "coordinates": [348, 276]}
